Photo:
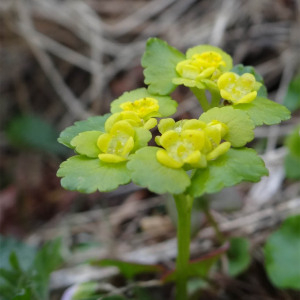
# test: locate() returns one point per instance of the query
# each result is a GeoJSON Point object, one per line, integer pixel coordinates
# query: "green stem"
{"type": "Point", "coordinates": [215, 98]}
{"type": "Point", "coordinates": [214, 224]}
{"type": "Point", "coordinates": [200, 95]}
{"type": "Point", "coordinates": [184, 205]}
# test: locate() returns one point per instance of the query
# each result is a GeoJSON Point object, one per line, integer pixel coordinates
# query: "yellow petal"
{"type": "Point", "coordinates": [169, 138]}
{"type": "Point", "coordinates": [193, 158]}
{"type": "Point", "coordinates": [194, 137]}
{"type": "Point", "coordinates": [226, 79]}
{"type": "Point", "coordinates": [151, 123]}
{"type": "Point", "coordinates": [122, 127]}
{"type": "Point", "coordinates": [221, 149]}
{"type": "Point", "coordinates": [166, 124]}
{"type": "Point", "coordinates": [111, 158]}
{"type": "Point", "coordinates": [248, 98]}
{"type": "Point", "coordinates": [103, 142]}
{"type": "Point", "coordinates": [163, 157]}
{"type": "Point", "coordinates": [127, 147]}
{"type": "Point", "coordinates": [193, 124]}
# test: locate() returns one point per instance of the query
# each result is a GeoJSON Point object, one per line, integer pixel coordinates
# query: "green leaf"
{"type": "Point", "coordinates": [31, 132]}
{"type": "Point", "coordinates": [24, 294]}
{"type": "Point", "coordinates": [293, 142]}
{"type": "Point", "coordinates": [282, 255]}
{"type": "Point", "coordinates": [88, 175]}
{"type": "Point", "coordinates": [85, 290]}
{"type": "Point", "coordinates": [265, 111]}
{"type": "Point", "coordinates": [93, 123]}
{"type": "Point", "coordinates": [159, 61]}
{"type": "Point", "coordinates": [229, 169]}
{"type": "Point", "coordinates": [204, 48]}
{"type": "Point", "coordinates": [148, 172]}
{"type": "Point", "coordinates": [31, 281]}
{"type": "Point", "coordinates": [292, 97]}
{"type": "Point", "coordinates": [238, 256]}
{"type": "Point", "coordinates": [24, 252]}
{"type": "Point", "coordinates": [47, 260]}
{"type": "Point", "coordinates": [48, 257]}
{"type": "Point", "coordinates": [114, 297]}
{"type": "Point", "coordinates": [142, 137]}
{"type": "Point", "coordinates": [292, 166]}
{"type": "Point", "coordinates": [240, 127]}
{"type": "Point", "coordinates": [167, 106]}
{"type": "Point", "coordinates": [128, 269]}
{"type": "Point", "coordinates": [199, 267]}
{"type": "Point", "coordinates": [85, 143]}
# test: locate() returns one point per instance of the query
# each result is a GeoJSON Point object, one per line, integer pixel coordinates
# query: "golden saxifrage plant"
{"type": "Point", "coordinates": [192, 157]}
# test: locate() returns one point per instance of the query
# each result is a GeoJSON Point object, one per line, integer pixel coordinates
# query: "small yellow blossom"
{"type": "Point", "coordinates": [238, 89]}
{"type": "Point", "coordinates": [144, 107]}
{"type": "Point", "coordinates": [199, 67]}
{"type": "Point", "coordinates": [117, 144]}
{"type": "Point", "coordinates": [191, 142]}
{"type": "Point", "coordinates": [180, 148]}
{"type": "Point", "coordinates": [132, 118]}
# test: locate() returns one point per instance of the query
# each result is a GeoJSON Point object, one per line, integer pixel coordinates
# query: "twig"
{"type": "Point", "coordinates": [26, 29]}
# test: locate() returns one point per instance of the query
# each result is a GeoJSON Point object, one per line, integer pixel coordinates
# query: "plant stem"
{"type": "Point", "coordinates": [214, 224]}
{"type": "Point", "coordinates": [184, 205]}
{"type": "Point", "coordinates": [215, 98]}
{"type": "Point", "coordinates": [200, 95]}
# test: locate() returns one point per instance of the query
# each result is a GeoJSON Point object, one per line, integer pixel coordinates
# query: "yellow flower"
{"type": "Point", "coordinates": [117, 144]}
{"type": "Point", "coordinates": [145, 107]}
{"type": "Point", "coordinates": [170, 124]}
{"type": "Point", "coordinates": [181, 148]}
{"type": "Point", "coordinates": [200, 67]}
{"type": "Point", "coordinates": [238, 89]}
{"type": "Point", "coordinates": [132, 118]}
{"type": "Point", "coordinates": [190, 142]}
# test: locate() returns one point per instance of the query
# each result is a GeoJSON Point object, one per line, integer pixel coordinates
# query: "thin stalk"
{"type": "Point", "coordinates": [184, 205]}
{"type": "Point", "coordinates": [215, 98]}
{"type": "Point", "coordinates": [200, 95]}
{"type": "Point", "coordinates": [220, 237]}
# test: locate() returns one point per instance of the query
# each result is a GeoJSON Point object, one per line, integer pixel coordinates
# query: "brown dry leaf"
{"type": "Point", "coordinates": [128, 210]}
{"type": "Point", "coordinates": [157, 226]}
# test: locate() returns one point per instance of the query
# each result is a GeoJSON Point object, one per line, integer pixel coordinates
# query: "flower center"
{"type": "Point", "coordinates": [142, 107]}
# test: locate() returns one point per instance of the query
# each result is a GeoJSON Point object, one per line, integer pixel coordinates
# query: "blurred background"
{"type": "Point", "coordinates": [63, 61]}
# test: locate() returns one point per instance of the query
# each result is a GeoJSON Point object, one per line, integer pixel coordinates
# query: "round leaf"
{"type": "Point", "coordinates": [292, 166]}
{"type": "Point", "coordinates": [264, 111]}
{"type": "Point", "coordinates": [238, 256]}
{"type": "Point", "coordinates": [282, 255]}
{"type": "Point", "coordinates": [148, 172]}
{"type": "Point", "coordinates": [293, 142]}
{"type": "Point", "coordinates": [85, 143]}
{"type": "Point", "coordinates": [229, 169]}
{"type": "Point", "coordinates": [87, 175]}
{"type": "Point", "coordinates": [92, 123]}
{"type": "Point", "coordinates": [240, 127]}
{"type": "Point", "coordinates": [167, 106]}
{"type": "Point", "coordinates": [159, 61]}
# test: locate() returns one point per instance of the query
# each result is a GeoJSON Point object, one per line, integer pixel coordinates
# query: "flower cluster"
{"type": "Point", "coordinates": [114, 149]}
{"type": "Point", "coordinates": [121, 135]}
{"type": "Point", "coordinates": [238, 89]}
{"type": "Point", "coordinates": [190, 142]}
{"type": "Point", "coordinates": [210, 70]}
{"type": "Point", "coordinates": [199, 67]}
